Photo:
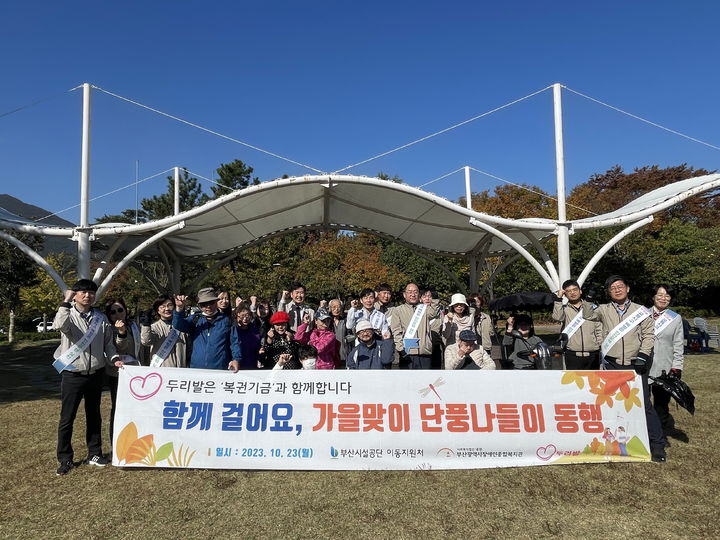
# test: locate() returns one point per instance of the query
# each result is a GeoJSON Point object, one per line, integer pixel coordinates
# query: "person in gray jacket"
{"type": "Point", "coordinates": [585, 337]}
{"type": "Point", "coordinates": [415, 349]}
{"type": "Point", "coordinates": [629, 351]}
{"type": "Point", "coordinates": [667, 353]}
{"type": "Point", "coordinates": [154, 334]}
{"type": "Point", "coordinates": [82, 370]}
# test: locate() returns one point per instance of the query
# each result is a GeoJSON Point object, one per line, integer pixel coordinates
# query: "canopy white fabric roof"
{"type": "Point", "coordinates": [405, 214]}
{"type": "Point", "coordinates": [652, 202]}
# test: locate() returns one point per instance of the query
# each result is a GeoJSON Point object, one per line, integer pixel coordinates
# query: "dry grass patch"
{"type": "Point", "coordinates": [678, 499]}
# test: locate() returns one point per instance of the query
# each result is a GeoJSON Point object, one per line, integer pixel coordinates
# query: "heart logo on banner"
{"type": "Point", "coordinates": [145, 387]}
{"type": "Point", "coordinates": [546, 452]}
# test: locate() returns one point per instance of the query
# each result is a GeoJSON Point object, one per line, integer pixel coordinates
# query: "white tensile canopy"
{"type": "Point", "coordinates": [430, 224]}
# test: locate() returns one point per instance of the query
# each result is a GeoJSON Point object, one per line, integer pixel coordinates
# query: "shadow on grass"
{"type": "Point", "coordinates": [26, 372]}
{"type": "Point", "coordinates": [678, 435]}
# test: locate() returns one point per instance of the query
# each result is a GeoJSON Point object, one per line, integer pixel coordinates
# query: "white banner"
{"type": "Point", "coordinates": [352, 419]}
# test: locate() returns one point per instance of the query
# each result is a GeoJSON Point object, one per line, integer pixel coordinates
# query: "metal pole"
{"type": "Point", "coordinates": [177, 191]}
{"type": "Point", "coordinates": [468, 202]}
{"type": "Point", "coordinates": [175, 277]}
{"type": "Point", "coordinates": [563, 233]}
{"type": "Point", "coordinates": [137, 179]}
{"type": "Point", "coordinates": [83, 237]}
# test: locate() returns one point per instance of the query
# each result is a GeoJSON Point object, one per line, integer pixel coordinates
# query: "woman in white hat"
{"type": "Point", "coordinates": [458, 318]}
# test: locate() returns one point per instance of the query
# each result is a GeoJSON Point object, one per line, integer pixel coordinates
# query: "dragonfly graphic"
{"type": "Point", "coordinates": [431, 388]}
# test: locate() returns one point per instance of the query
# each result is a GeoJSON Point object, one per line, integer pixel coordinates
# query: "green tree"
{"type": "Point", "coordinates": [16, 271]}
{"type": "Point", "coordinates": [233, 176]}
{"type": "Point", "coordinates": [43, 297]}
{"type": "Point", "coordinates": [615, 188]}
{"type": "Point", "coordinates": [265, 269]}
{"type": "Point", "coordinates": [514, 202]}
{"type": "Point", "coordinates": [162, 206]}
{"type": "Point", "coordinates": [395, 178]}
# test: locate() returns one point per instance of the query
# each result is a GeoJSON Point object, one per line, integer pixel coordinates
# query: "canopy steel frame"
{"type": "Point", "coordinates": [635, 214]}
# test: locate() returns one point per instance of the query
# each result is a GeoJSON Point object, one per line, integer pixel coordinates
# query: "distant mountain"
{"type": "Point", "coordinates": [29, 211]}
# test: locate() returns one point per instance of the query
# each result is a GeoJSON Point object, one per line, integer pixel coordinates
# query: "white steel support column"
{"type": "Point", "coordinates": [563, 232]}
{"type": "Point", "coordinates": [468, 192]}
{"type": "Point", "coordinates": [176, 206]}
{"type": "Point", "coordinates": [608, 245]}
{"type": "Point", "coordinates": [42, 263]}
{"type": "Point", "coordinates": [521, 250]}
{"type": "Point", "coordinates": [83, 236]}
{"type": "Point", "coordinates": [134, 253]}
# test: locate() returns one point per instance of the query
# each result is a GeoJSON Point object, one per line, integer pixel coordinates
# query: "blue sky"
{"type": "Point", "coordinates": [333, 83]}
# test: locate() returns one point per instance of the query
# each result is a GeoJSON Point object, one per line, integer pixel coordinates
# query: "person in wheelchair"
{"type": "Point", "coordinates": [520, 338]}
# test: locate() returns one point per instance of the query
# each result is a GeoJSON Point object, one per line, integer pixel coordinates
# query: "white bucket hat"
{"type": "Point", "coordinates": [458, 298]}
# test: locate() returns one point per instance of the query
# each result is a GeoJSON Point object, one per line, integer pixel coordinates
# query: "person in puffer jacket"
{"type": "Point", "coordinates": [322, 337]}
{"type": "Point", "coordinates": [372, 352]}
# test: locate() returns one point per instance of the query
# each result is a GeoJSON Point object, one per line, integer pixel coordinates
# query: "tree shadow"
{"type": "Point", "coordinates": [26, 372]}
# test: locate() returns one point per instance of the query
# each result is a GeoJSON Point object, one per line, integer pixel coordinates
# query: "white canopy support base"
{"type": "Point", "coordinates": [35, 256]}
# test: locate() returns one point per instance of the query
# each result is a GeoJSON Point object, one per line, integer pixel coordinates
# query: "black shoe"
{"type": "Point", "coordinates": [64, 468]}
{"type": "Point", "coordinates": [98, 460]}
{"type": "Point", "coordinates": [658, 455]}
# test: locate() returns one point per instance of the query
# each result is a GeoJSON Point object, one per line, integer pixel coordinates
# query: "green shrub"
{"type": "Point", "coordinates": [31, 336]}
{"type": "Point", "coordinates": [691, 312]}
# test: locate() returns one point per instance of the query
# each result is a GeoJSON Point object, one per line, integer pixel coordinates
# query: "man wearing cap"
{"type": "Point", "coordinates": [372, 351]}
{"type": "Point", "coordinates": [86, 347]}
{"type": "Point", "coordinates": [629, 336]}
{"type": "Point", "coordinates": [584, 337]}
{"type": "Point", "coordinates": [410, 329]}
{"type": "Point", "coordinates": [465, 353]}
{"type": "Point", "coordinates": [215, 342]}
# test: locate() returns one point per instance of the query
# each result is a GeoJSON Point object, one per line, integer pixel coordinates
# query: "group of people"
{"type": "Point", "coordinates": [622, 334]}
{"type": "Point", "coordinates": [417, 333]}
{"type": "Point", "coordinates": [370, 334]}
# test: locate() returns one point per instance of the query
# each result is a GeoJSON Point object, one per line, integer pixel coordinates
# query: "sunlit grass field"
{"type": "Point", "coordinates": [678, 499]}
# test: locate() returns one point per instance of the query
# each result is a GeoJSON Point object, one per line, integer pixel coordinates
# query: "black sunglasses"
{"type": "Point", "coordinates": [118, 310]}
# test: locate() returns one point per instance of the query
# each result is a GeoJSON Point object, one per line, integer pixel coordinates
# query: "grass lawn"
{"type": "Point", "coordinates": [678, 499]}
